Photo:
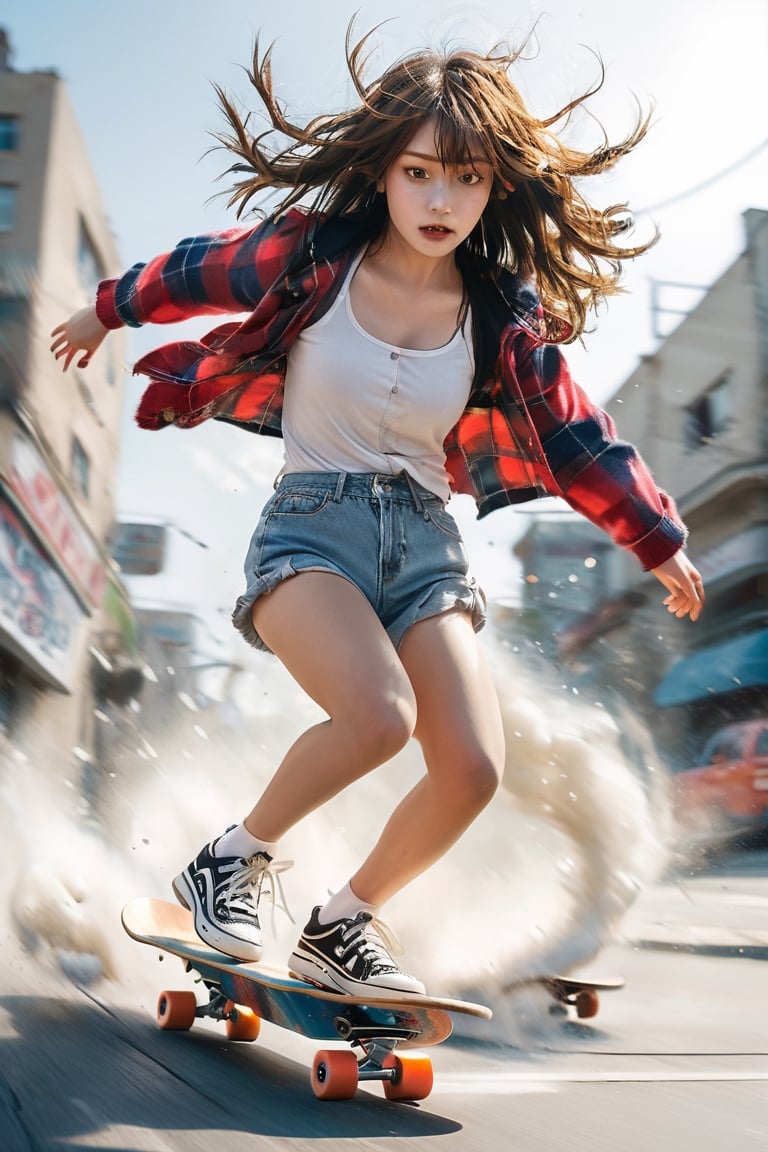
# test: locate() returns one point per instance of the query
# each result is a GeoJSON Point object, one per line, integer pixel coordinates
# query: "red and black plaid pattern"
{"type": "Point", "coordinates": [530, 431]}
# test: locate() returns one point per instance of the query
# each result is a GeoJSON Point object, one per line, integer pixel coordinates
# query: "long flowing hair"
{"type": "Point", "coordinates": [537, 222]}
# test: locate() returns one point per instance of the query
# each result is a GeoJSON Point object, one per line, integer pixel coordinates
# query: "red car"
{"type": "Point", "coordinates": [728, 792]}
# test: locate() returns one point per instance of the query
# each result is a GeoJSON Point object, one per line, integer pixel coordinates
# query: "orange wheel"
{"type": "Point", "coordinates": [587, 1004]}
{"type": "Point", "coordinates": [243, 1024]}
{"type": "Point", "coordinates": [176, 1010]}
{"type": "Point", "coordinates": [334, 1075]}
{"type": "Point", "coordinates": [413, 1079]}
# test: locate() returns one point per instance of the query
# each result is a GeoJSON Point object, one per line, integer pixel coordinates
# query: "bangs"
{"type": "Point", "coordinates": [458, 142]}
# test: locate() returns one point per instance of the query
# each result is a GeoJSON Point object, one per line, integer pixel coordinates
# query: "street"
{"type": "Point", "coordinates": [676, 1060]}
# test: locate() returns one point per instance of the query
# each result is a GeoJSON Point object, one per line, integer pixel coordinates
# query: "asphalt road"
{"type": "Point", "coordinates": [676, 1060]}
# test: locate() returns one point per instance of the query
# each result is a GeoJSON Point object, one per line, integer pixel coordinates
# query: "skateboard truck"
{"type": "Point", "coordinates": [219, 1007]}
{"type": "Point", "coordinates": [372, 1068]}
{"type": "Point", "coordinates": [360, 1033]}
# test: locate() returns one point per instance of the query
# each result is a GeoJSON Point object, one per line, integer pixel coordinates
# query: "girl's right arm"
{"type": "Point", "coordinates": [218, 273]}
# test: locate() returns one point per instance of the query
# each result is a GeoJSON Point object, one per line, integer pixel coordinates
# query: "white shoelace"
{"type": "Point", "coordinates": [377, 946]}
{"type": "Point", "coordinates": [249, 880]}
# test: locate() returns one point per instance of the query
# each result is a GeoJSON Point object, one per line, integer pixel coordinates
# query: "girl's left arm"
{"type": "Point", "coordinates": [605, 478]}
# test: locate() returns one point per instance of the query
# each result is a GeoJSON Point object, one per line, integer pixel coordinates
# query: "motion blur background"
{"type": "Point", "coordinates": [134, 723]}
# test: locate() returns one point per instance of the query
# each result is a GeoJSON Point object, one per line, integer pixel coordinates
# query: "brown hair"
{"type": "Point", "coordinates": [544, 229]}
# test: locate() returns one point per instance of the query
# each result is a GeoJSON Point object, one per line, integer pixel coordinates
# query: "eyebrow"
{"type": "Point", "coordinates": [436, 159]}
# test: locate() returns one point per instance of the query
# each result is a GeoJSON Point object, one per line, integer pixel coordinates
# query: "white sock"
{"type": "Point", "coordinates": [344, 905]}
{"type": "Point", "coordinates": [239, 842]}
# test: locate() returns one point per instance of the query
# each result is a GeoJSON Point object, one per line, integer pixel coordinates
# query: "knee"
{"type": "Point", "coordinates": [383, 726]}
{"type": "Point", "coordinates": [478, 780]}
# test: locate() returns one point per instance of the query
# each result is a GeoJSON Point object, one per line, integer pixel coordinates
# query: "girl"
{"type": "Point", "coordinates": [402, 335]}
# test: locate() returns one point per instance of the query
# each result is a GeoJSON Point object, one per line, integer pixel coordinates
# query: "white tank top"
{"type": "Point", "coordinates": [357, 404]}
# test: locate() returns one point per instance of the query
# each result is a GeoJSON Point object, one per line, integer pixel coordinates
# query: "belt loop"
{"type": "Point", "coordinates": [417, 500]}
{"type": "Point", "coordinates": [339, 490]}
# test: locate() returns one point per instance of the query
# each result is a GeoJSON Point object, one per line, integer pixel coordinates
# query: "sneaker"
{"type": "Point", "coordinates": [351, 956]}
{"type": "Point", "coordinates": [223, 894]}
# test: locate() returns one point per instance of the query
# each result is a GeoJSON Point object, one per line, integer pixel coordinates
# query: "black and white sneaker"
{"type": "Point", "coordinates": [223, 894]}
{"type": "Point", "coordinates": [351, 956]}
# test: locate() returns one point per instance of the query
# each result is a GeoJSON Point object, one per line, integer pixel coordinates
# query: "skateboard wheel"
{"type": "Point", "coordinates": [587, 1004]}
{"type": "Point", "coordinates": [242, 1024]}
{"type": "Point", "coordinates": [176, 1010]}
{"type": "Point", "coordinates": [413, 1076]}
{"type": "Point", "coordinates": [334, 1075]}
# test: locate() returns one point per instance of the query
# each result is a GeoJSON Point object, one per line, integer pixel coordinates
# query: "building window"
{"type": "Point", "coordinates": [89, 267]}
{"type": "Point", "coordinates": [81, 468]}
{"type": "Point", "coordinates": [139, 549]}
{"type": "Point", "coordinates": [7, 207]}
{"type": "Point", "coordinates": [9, 134]}
{"type": "Point", "coordinates": [710, 414]}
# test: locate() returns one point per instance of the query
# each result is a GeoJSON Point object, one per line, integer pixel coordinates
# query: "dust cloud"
{"type": "Point", "coordinates": [538, 885]}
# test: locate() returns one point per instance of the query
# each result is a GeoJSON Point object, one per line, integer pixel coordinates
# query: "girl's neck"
{"type": "Point", "coordinates": [400, 264]}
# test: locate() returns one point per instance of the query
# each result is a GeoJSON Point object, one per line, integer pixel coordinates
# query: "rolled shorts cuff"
{"type": "Point", "coordinates": [464, 596]}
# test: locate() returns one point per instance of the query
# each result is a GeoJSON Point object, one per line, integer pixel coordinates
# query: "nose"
{"type": "Point", "coordinates": [439, 198]}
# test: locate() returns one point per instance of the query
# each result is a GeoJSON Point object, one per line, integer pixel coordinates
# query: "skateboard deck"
{"type": "Point", "coordinates": [243, 994]}
{"type": "Point", "coordinates": [581, 993]}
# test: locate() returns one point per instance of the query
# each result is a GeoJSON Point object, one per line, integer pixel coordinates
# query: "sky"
{"type": "Point", "coordinates": [140, 79]}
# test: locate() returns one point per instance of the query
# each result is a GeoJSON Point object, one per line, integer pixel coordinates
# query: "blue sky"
{"type": "Point", "coordinates": [139, 77]}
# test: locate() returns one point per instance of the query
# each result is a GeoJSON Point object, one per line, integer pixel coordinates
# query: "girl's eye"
{"type": "Point", "coordinates": [471, 178]}
{"type": "Point", "coordinates": [417, 173]}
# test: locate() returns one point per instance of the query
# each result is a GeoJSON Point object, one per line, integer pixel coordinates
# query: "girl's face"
{"type": "Point", "coordinates": [433, 208]}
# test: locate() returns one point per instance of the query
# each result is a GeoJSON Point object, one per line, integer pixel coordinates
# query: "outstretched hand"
{"type": "Point", "coordinates": [83, 332]}
{"type": "Point", "coordinates": [684, 584]}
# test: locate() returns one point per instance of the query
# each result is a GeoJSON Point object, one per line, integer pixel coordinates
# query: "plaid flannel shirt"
{"type": "Point", "coordinates": [529, 431]}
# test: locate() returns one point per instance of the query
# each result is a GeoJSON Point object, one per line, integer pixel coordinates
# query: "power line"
{"type": "Point", "coordinates": [694, 191]}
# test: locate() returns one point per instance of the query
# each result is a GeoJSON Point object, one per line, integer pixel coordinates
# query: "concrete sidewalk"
{"type": "Point", "coordinates": [716, 915]}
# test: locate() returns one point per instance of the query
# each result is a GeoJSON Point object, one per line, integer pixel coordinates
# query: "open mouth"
{"type": "Point", "coordinates": [436, 230]}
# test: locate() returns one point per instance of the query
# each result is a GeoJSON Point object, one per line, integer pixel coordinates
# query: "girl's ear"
{"type": "Point", "coordinates": [504, 190]}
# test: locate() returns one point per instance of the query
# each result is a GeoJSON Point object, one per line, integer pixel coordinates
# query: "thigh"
{"type": "Point", "coordinates": [459, 718]}
{"type": "Point", "coordinates": [329, 638]}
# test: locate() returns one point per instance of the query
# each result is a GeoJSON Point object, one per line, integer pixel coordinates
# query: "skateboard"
{"type": "Point", "coordinates": [242, 995]}
{"type": "Point", "coordinates": [571, 992]}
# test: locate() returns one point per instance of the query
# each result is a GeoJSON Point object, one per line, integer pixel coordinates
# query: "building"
{"type": "Point", "coordinates": [698, 411]}
{"type": "Point", "coordinates": [61, 605]}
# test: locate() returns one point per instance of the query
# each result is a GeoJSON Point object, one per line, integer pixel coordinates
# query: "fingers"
{"type": "Point", "coordinates": [686, 600]}
{"type": "Point", "coordinates": [684, 585]}
{"type": "Point", "coordinates": [62, 347]}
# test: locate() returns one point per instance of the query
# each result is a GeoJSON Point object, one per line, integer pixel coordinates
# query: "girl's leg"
{"type": "Point", "coordinates": [328, 637]}
{"type": "Point", "coordinates": [460, 731]}
{"type": "Point", "coordinates": [459, 727]}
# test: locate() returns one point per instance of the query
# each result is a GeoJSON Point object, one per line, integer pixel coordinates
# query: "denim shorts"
{"type": "Point", "coordinates": [387, 535]}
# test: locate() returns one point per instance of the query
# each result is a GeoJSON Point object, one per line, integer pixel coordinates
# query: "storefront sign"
{"type": "Point", "coordinates": [55, 520]}
{"type": "Point", "coordinates": [38, 612]}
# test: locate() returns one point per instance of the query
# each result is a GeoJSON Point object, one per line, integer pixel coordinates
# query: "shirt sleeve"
{"type": "Point", "coordinates": [601, 476]}
{"type": "Point", "coordinates": [220, 272]}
